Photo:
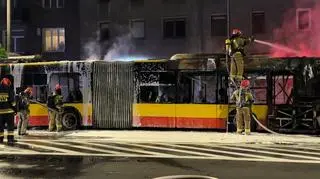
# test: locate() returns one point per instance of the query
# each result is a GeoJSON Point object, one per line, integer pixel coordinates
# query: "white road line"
{"type": "Point", "coordinates": [176, 150]}
{"type": "Point", "coordinates": [50, 148]}
{"type": "Point", "coordinates": [82, 147]}
{"type": "Point", "coordinates": [299, 147]}
{"type": "Point", "coordinates": [221, 151]}
{"type": "Point", "coordinates": [267, 152]}
{"type": "Point", "coordinates": [16, 148]}
{"type": "Point", "coordinates": [284, 150]}
{"type": "Point", "coordinates": [130, 150]}
{"type": "Point", "coordinates": [167, 157]}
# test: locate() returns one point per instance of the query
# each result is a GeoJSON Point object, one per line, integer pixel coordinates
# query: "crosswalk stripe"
{"type": "Point", "coordinates": [220, 151]}
{"type": "Point", "coordinates": [19, 149]}
{"type": "Point", "coordinates": [284, 150]}
{"type": "Point", "coordinates": [177, 150]}
{"type": "Point", "coordinates": [82, 147]}
{"type": "Point", "coordinates": [130, 150]}
{"type": "Point", "coordinates": [50, 148]}
{"type": "Point", "coordinates": [299, 147]}
{"type": "Point", "coordinates": [267, 152]}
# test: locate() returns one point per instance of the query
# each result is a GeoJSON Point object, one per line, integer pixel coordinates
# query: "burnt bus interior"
{"type": "Point", "coordinates": [36, 77]}
{"type": "Point", "coordinates": [289, 86]}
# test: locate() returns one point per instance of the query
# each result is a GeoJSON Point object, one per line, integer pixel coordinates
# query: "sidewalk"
{"type": "Point", "coordinates": [182, 137]}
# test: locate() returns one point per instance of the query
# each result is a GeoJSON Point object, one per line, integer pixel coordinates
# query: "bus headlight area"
{"type": "Point", "coordinates": [186, 91]}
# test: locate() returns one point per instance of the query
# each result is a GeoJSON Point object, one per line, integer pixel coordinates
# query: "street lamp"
{"type": "Point", "coordinates": [8, 25]}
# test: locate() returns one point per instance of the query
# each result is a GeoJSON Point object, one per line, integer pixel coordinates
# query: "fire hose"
{"type": "Point", "coordinates": [45, 106]}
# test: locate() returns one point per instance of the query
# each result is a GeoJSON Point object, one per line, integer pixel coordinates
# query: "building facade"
{"type": "Point", "coordinates": [46, 27]}
{"type": "Point", "coordinates": [79, 29]}
{"type": "Point", "coordinates": [160, 28]}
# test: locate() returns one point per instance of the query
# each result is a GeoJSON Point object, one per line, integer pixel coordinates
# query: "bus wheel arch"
{"type": "Point", "coordinates": [70, 118]}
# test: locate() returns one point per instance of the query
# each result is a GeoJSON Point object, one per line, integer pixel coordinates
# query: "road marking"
{"type": "Point", "coordinates": [167, 157]}
{"type": "Point", "coordinates": [82, 147]}
{"type": "Point", "coordinates": [221, 151]}
{"type": "Point", "coordinates": [177, 150]}
{"type": "Point", "coordinates": [284, 150]}
{"type": "Point", "coordinates": [130, 150]}
{"type": "Point", "coordinates": [267, 152]}
{"type": "Point", "coordinates": [50, 148]}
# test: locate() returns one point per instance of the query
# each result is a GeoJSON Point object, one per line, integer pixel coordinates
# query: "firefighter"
{"type": "Point", "coordinates": [244, 101]}
{"type": "Point", "coordinates": [56, 109]}
{"type": "Point", "coordinates": [7, 110]}
{"type": "Point", "coordinates": [235, 48]}
{"type": "Point", "coordinates": [23, 110]}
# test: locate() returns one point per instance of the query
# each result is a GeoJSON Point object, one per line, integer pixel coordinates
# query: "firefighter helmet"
{"type": "Point", "coordinates": [245, 83]}
{"type": "Point", "coordinates": [6, 82]}
{"type": "Point", "coordinates": [28, 90]}
{"type": "Point", "coordinates": [236, 32]}
{"type": "Point", "coordinates": [58, 87]}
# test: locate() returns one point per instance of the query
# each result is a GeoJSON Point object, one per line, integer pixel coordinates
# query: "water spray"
{"type": "Point", "coordinates": [279, 47]}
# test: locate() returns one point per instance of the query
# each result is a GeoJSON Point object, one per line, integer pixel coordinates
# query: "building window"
{"type": "Point", "coordinates": [174, 28]}
{"type": "Point", "coordinates": [135, 3]}
{"type": "Point", "coordinates": [219, 25]}
{"type": "Point", "coordinates": [54, 39]}
{"type": "Point", "coordinates": [53, 3]}
{"type": "Point", "coordinates": [104, 32]}
{"type": "Point", "coordinates": [303, 18]}
{"type": "Point", "coordinates": [173, 1]}
{"type": "Point", "coordinates": [60, 3]}
{"type": "Point", "coordinates": [258, 22]}
{"type": "Point", "coordinates": [46, 3]}
{"type": "Point", "coordinates": [137, 28]}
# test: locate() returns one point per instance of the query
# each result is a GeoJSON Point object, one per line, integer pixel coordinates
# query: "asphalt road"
{"type": "Point", "coordinates": [33, 157]}
{"type": "Point", "coordinates": [147, 168]}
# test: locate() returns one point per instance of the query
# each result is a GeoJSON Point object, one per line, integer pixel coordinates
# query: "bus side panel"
{"type": "Point", "coordinates": [261, 111]}
{"type": "Point", "coordinates": [154, 115]}
{"type": "Point", "coordinates": [201, 116]}
{"type": "Point", "coordinates": [38, 116]}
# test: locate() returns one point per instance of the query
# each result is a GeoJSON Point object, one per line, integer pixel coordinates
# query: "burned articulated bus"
{"type": "Point", "coordinates": [187, 91]}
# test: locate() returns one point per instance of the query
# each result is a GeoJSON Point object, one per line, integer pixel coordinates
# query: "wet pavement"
{"type": "Point", "coordinates": [87, 157]}
{"type": "Point", "coordinates": [136, 168]}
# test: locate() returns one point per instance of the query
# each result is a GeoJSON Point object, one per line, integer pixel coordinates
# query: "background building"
{"type": "Point", "coordinates": [73, 29]}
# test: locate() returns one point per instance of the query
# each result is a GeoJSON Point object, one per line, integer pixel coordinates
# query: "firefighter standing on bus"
{"type": "Point", "coordinates": [55, 105]}
{"type": "Point", "coordinates": [244, 101]}
{"type": "Point", "coordinates": [235, 48]}
{"type": "Point", "coordinates": [7, 110]}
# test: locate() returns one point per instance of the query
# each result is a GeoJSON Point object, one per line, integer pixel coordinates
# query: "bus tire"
{"type": "Point", "coordinates": [70, 120]}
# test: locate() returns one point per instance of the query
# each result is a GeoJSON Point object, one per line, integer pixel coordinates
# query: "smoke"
{"type": "Point", "coordinates": [120, 48]}
{"type": "Point", "coordinates": [303, 35]}
{"type": "Point", "coordinates": [114, 48]}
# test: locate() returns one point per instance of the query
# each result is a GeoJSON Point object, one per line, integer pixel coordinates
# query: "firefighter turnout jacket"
{"type": "Point", "coordinates": [7, 101]}
{"type": "Point", "coordinates": [237, 43]}
{"type": "Point", "coordinates": [243, 98]}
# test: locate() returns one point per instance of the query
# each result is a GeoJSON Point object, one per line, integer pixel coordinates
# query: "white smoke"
{"type": "Point", "coordinates": [120, 48]}
{"type": "Point", "coordinates": [117, 48]}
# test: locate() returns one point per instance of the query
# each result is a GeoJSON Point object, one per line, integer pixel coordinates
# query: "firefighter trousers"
{"type": "Point", "coordinates": [243, 116]}
{"type": "Point", "coordinates": [23, 122]}
{"type": "Point", "coordinates": [9, 120]}
{"type": "Point", "coordinates": [55, 121]}
{"type": "Point", "coordinates": [236, 67]}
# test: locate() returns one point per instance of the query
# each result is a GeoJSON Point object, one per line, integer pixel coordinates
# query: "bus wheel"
{"type": "Point", "coordinates": [70, 120]}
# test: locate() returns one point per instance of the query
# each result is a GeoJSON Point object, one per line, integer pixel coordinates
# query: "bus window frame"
{"type": "Point", "coordinates": [74, 75]}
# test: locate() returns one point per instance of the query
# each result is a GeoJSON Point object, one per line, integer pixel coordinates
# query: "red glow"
{"type": "Point", "coordinates": [307, 41]}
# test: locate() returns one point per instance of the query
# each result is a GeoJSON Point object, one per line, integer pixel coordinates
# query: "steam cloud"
{"type": "Point", "coordinates": [116, 48]}
{"type": "Point", "coordinates": [307, 41]}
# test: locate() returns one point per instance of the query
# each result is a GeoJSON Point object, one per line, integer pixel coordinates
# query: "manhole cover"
{"type": "Point", "coordinates": [186, 177]}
